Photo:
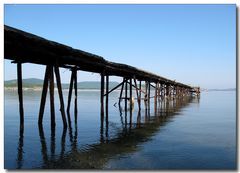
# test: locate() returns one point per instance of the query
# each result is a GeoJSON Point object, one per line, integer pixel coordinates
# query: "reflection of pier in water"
{"type": "Point", "coordinates": [133, 133]}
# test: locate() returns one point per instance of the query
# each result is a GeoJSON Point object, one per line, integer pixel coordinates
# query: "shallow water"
{"type": "Point", "coordinates": [191, 133]}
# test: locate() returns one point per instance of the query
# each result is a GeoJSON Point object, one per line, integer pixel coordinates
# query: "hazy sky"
{"type": "Point", "coordinates": [192, 44]}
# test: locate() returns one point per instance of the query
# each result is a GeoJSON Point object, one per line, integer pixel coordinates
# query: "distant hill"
{"type": "Point", "coordinates": [36, 83]}
{"type": "Point", "coordinates": [27, 83]}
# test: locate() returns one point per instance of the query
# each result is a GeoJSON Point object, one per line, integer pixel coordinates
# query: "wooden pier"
{"type": "Point", "coordinates": [22, 47]}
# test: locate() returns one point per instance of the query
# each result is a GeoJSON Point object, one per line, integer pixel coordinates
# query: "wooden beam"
{"type": "Point", "coordinates": [137, 88]}
{"type": "Point", "coordinates": [60, 95]}
{"type": "Point", "coordinates": [152, 85]}
{"type": "Point", "coordinates": [44, 94]}
{"type": "Point", "coordinates": [51, 89]}
{"type": "Point", "coordinates": [115, 87]}
{"type": "Point", "coordinates": [20, 94]}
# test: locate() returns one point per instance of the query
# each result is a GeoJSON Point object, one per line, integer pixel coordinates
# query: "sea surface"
{"type": "Point", "coordinates": [189, 133]}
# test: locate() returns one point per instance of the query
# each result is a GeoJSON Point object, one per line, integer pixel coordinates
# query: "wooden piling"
{"type": "Point", "coordinates": [167, 91]}
{"type": "Point", "coordinates": [75, 89]}
{"type": "Point", "coordinates": [130, 97]}
{"type": "Point", "coordinates": [51, 89]}
{"type": "Point", "coordinates": [155, 97]}
{"type": "Point", "coordinates": [159, 92]}
{"type": "Point", "coordinates": [44, 94]}
{"type": "Point", "coordinates": [149, 92]}
{"type": "Point", "coordinates": [70, 92]}
{"type": "Point", "coordinates": [20, 94]}
{"type": "Point", "coordinates": [126, 96]}
{"type": "Point", "coordinates": [102, 95]}
{"type": "Point", "coordinates": [120, 96]}
{"type": "Point", "coordinates": [107, 88]}
{"type": "Point", "coordinates": [140, 93]}
{"type": "Point", "coordinates": [138, 99]}
{"type": "Point", "coordinates": [146, 95]}
{"type": "Point", "coordinates": [60, 95]}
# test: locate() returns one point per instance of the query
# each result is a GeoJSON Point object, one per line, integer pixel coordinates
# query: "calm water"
{"type": "Point", "coordinates": [184, 134]}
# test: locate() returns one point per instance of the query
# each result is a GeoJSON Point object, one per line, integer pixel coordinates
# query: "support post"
{"type": "Point", "coordinates": [75, 89]}
{"type": "Point", "coordinates": [159, 90]}
{"type": "Point", "coordinates": [102, 106]}
{"type": "Point", "coordinates": [20, 94]}
{"type": "Point", "coordinates": [51, 89]}
{"type": "Point", "coordinates": [126, 96]}
{"type": "Point", "coordinates": [138, 99]}
{"type": "Point", "coordinates": [60, 95]}
{"type": "Point", "coordinates": [146, 95]}
{"type": "Point", "coordinates": [149, 91]}
{"type": "Point", "coordinates": [44, 94]}
{"type": "Point", "coordinates": [106, 118]}
{"type": "Point", "coordinates": [70, 92]}
{"type": "Point", "coordinates": [167, 90]}
{"type": "Point", "coordinates": [130, 97]}
{"type": "Point", "coordinates": [140, 94]}
{"type": "Point", "coordinates": [102, 96]}
{"type": "Point", "coordinates": [155, 97]}
{"type": "Point", "coordinates": [107, 88]}
{"type": "Point", "coordinates": [120, 97]}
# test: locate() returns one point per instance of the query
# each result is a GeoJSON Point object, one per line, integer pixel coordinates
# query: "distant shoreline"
{"type": "Point", "coordinates": [95, 89]}
{"type": "Point", "coordinates": [40, 89]}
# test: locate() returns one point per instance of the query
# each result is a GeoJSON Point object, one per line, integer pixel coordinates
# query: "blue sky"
{"type": "Point", "coordinates": [192, 44]}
